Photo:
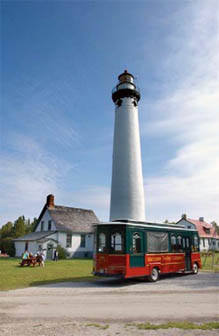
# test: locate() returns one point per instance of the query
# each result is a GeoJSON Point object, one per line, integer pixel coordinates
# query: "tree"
{"type": "Point", "coordinates": [19, 227]}
{"type": "Point", "coordinates": [216, 227]}
{"type": "Point", "coordinates": [6, 230]}
{"type": "Point", "coordinates": [33, 224]}
{"type": "Point", "coordinates": [61, 252]}
{"type": "Point", "coordinates": [7, 246]}
{"type": "Point", "coordinates": [167, 222]}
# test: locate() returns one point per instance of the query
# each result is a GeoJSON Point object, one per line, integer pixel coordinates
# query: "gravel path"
{"type": "Point", "coordinates": [105, 307]}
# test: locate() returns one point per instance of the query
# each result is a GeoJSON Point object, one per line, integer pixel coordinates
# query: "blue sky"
{"type": "Point", "coordinates": [59, 63]}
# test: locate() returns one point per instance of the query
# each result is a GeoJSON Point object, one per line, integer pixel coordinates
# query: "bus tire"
{"type": "Point", "coordinates": [195, 268]}
{"type": "Point", "coordinates": [154, 276]}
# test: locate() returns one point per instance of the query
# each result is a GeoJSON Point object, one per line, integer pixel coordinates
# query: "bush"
{"type": "Point", "coordinates": [7, 246]}
{"type": "Point", "coordinates": [62, 252]}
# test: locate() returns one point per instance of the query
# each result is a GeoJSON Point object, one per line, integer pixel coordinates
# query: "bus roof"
{"type": "Point", "coordinates": [146, 224]}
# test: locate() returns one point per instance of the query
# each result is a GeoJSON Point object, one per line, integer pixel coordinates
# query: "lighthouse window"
{"type": "Point", "coordinates": [102, 242]}
{"type": "Point", "coordinates": [136, 243]}
{"type": "Point", "coordinates": [157, 242]}
{"type": "Point", "coordinates": [116, 242]}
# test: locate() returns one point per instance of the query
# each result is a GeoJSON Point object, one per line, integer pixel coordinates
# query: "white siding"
{"type": "Point", "coordinates": [208, 245]}
{"type": "Point", "coordinates": [62, 239]}
{"type": "Point", "coordinates": [33, 246]}
{"type": "Point", "coordinates": [46, 217]}
{"type": "Point", "coordinates": [75, 249]}
{"type": "Point", "coordinates": [20, 248]}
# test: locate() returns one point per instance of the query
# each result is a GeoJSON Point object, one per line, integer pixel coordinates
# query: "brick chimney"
{"type": "Point", "coordinates": [184, 216]}
{"type": "Point", "coordinates": [50, 201]}
{"type": "Point", "coordinates": [201, 219]}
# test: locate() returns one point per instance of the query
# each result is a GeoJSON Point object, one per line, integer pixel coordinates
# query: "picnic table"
{"type": "Point", "coordinates": [30, 261]}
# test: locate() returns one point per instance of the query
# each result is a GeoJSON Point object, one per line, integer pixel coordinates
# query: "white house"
{"type": "Point", "coordinates": [72, 228]}
{"type": "Point", "coordinates": [209, 239]}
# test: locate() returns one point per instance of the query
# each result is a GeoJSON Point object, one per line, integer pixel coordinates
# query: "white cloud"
{"type": "Point", "coordinates": [29, 174]}
{"type": "Point", "coordinates": [188, 116]}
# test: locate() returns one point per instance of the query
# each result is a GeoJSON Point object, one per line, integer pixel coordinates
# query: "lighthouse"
{"type": "Point", "coordinates": [127, 189]}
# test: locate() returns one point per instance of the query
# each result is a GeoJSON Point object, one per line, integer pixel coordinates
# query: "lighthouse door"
{"type": "Point", "coordinates": [137, 258]}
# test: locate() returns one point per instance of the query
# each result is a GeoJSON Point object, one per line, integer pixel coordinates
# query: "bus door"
{"type": "Point", "coordinates": [186, 244]}
{"type": "Point", "coordinates": [137, 257]}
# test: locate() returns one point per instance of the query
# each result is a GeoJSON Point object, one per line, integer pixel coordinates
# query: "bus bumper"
{"type": "Point", "coordinates": [108, 275]}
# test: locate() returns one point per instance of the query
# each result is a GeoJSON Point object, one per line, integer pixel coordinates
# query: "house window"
{"type": "Point", "coordinates": [49, 225]}
{"type": "Point", "coordinates": [207, 230]}
{"type": "Point", "coordinates": [203, 242]}
{"type": "Point", "coordinates": [26, 246]}
{"type": "Point", "coordinates": [82, 240]}
{"type": "Point", "coordinates": [69, 240]}
{"type": "Point", "coordinates": [42, 226]}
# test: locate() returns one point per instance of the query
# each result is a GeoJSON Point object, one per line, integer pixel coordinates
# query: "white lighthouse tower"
{"type": "Point", "coordinates": [127, 189]}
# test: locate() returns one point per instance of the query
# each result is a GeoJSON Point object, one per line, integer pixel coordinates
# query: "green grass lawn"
{"type": "Point", "coordinates": [207, 262]}
{"type": "Point", "coordinates": [13, 276]}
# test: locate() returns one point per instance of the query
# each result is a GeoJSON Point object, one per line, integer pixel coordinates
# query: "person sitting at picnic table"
{"type": "Point", "coordinates": [25, 255]}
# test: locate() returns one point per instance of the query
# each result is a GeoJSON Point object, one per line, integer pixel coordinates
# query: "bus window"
{"type": "Point", "coordinates": [102, 242]}
{"type": "Point", "coordinates": [196, 243]}
{"type": "Point", "coordinates": [136, 243]}
{"type": "Point", "coordinates": [157, 242]}
{"type": "Point", "coordinates": [187, 242]}
{"type": "Point", "coordinates": [179, 244]}
{"type": "Point", "coordinates": [116, 242]}
{"type": "Point", "coordinates": [173, 244]}
{"type": "Point", "coordinates": [183, 243]}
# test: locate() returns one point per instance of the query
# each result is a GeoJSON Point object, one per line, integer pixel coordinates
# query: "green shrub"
{"type": "Point", "coordinates": [62, 252]}
{"type": "Point", "coordinates": [7, 246]}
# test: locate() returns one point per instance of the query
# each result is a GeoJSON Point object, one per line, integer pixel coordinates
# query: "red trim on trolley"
{"type": "Point", "coordinates": [114, 264]}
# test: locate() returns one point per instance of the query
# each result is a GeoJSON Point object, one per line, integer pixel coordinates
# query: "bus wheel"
{"type": "Point", "coordinates": [195, 268]}
{"type": "Point", "coordinates": [154, 276]}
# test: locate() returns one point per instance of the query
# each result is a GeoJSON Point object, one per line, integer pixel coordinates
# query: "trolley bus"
{"type": "Point", "coordinates": [128, 248]}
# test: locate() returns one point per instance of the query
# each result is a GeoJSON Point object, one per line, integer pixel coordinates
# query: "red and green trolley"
{"type": "Point", "coordinates": [127, 249]}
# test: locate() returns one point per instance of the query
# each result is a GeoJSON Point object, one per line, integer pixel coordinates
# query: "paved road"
{"type": "Point", "coordinates": [178, 297]}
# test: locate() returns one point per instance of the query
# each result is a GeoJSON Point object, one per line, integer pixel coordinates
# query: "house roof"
{"type": "Point", "coordinates": [32, 236]}
{"type": "Point", "coordinates": [69, 219]}
{"type": "Point", "coordinates": [201, 226]}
